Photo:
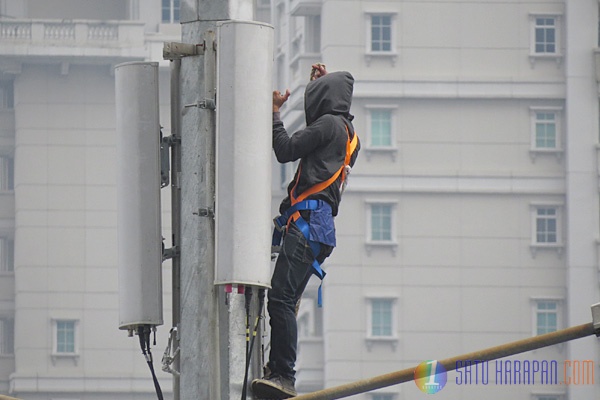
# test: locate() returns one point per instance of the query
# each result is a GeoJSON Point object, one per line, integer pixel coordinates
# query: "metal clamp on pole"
{"type": "Point", "coordinates": [170, 253]}
{"type": "Point", "coordinates": [165, 144]}
{"type": "Point", "coordinates": [208, 104]}
{"type": "Point", "coordinates": [596, 318]}
{"type": "Point", "coordinates": [175, 50]}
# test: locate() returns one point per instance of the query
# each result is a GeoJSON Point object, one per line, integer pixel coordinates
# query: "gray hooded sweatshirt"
{"type": "Point", "coordinates": [321, 146]}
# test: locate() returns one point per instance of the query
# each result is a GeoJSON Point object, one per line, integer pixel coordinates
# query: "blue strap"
{"type": "Point", "coordinates": [281, 222]}
{"type": "Point", "coordinates": [316, 249]}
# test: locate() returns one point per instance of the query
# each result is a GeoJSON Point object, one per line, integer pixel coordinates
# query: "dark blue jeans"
{"type": "Point", "coordinates": [293, 270]}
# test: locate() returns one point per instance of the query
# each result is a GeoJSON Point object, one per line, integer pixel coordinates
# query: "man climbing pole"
{"type": "Point", "coordinates": [327, 149]}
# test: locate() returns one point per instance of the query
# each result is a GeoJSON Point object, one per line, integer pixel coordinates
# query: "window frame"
{"type": "Point", "coordinates": [174, 12]}
{"type": "Point", "coordinates": [369, 233]}
{"type": "Point", "coordinates": [7, 347]}
{"type": "Point", "coordinates": [392, 54]}
{"type": "Point", "coordinates": [7, 255]}
{"type": "Point", "coordinates": [558, 123]}
{"type": "Point", "coordinates": [7, 173]}
{"type": "Point", "coordinates": [536, 245]}
{"type": "Point", "coordinates": [7, 95]}
{"type": "Point", "coordinates": [533, 53]}
{"type": "Point", "coordinates": [371, 149]}
{"type": "Point", "coordinates": [535, 302]}
{"type": "Point", "coordinates": [393, 337]}
{"type": "Point", "coordinates": [56, 354]}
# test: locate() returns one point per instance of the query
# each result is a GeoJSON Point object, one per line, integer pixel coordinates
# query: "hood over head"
{"type": "Point", "coordinates": [329, 94]}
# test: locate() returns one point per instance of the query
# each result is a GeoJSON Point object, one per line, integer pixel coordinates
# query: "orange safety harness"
{"type": "Point", "coordinates": [299, 203]}
{"type": "Point", "coordinates": [343, 171]}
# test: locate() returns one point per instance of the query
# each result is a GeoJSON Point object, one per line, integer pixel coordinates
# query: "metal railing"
{"type": "Point", "coordinates": [72, 32]}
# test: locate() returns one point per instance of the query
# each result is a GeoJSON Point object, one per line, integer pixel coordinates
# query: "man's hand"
{"type": "Point", "coordinates": [318, 70]}
{"type": "Point", "coordinates": [279, 99]}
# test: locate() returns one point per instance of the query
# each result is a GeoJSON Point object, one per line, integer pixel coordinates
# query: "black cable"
{"type": "Point", "coordinates": [144, 332]}
{"type": "Point", "coordinates": [261, 302]}
{"type": "Point", "coordinates": [248, 301]}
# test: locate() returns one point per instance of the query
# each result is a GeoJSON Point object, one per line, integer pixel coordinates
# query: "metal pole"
{"type": "Point", "coordinates": [199, 338]}
{"type": "Point", "coordinates": [176, 211]}
{"type": "Point", "coordinates": [492, 353]}
{"type": "Point", "coordinates": [204, 333]}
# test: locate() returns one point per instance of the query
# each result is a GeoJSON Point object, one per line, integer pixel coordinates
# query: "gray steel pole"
{"type": "Point", "coordinates": [176, 211]}
{"type": "Point", "coordinates": [204, 327]}
{"type": "Point", "coordinates": [199, 355]}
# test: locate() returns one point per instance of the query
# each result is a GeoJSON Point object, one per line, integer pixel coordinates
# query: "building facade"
{"type": "Point", "coordinates": [59, 336]}
{"type": "Point", "coordinates": [470, 220]}
{"type": "Point", "coordinates": [471, 217]}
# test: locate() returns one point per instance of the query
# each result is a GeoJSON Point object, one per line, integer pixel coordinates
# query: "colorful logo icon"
{"type": "Point", "coordinates": [430, 376]}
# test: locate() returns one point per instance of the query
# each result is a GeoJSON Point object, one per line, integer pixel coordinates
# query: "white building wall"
{"type": "Point", "coordinates": [61, 131]}
{"type": "Point", "coordinates": [66, 237]}
{"type": "Point", "coordinates": [464, 178]}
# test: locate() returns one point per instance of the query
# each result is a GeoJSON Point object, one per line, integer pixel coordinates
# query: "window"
{"type": "Point", "coordinates": [65, 342]}
{"type": "Point", "coordinates": [381, 128]}
{"type": "Point", "coordinates": [545, 35]}
{"type": "Point", "coordinates": [170, 11]}
{"type": "Point", "coordinates": [381, 320]}
{"type": "Point", "coordinates": [545, 32]}
{"type": "Point", "coordinates": [381, 33]}
{"type": "Point", "coordinates": [6, 173]}
{"type": "Point", "coordinates": [6, 95]}
{"type": "Point", "coordinates": [546, 225]}
{"type": "Point", "coordinates": [546, 316]}
{"type": "Point", "coordinates": [280, 13]}
{"type": "Point", "coordinates": [381, 230]}
{"type": "Point", "coordinates": [381, 317]}
{"type": "Point", "coordinates": [312, 33]}
{"type": "Point", "coordinates": [381, 223]}
{"type": "Point", "coordinates": [546, 130]}
{"type": "Point", "coordinates": [7, 336]}
{"type": "Point", "coordinates": [380, 36]}
{"type": "Point", "coordinates": [310, 317]}
{"type": "Point", "coordinates": [382, 397]}
{"type": "Point", "coordinates": [7, 255]}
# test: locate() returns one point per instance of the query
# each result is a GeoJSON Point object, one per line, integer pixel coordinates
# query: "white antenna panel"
{"type": "Point", "coordinates": [138, 195]}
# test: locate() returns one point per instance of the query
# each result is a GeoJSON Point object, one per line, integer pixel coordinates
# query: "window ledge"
{"type": "Point", "coordinates": [535, 247]}
{"type": "Point", "coordinates": [390, 340]}
{"type": "Point", "coordinates": [370, 245]}
{"type": "Point", "coordinates": [557, 57]}
{"type": "Point", "coordinates": [533, 153]}
{"type": "Point", "coordinates": [65, 356]}
{"type": "Point", "coordinates": [391, 151]}
{"type": "Point", "coordinates": [391, 55]}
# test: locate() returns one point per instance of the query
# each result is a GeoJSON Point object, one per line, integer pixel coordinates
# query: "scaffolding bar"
{"type": "Point", "coordinates": [492, 353]}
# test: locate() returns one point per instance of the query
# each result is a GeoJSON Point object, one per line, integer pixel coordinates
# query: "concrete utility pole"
{"type": "Point", "coordinates": [211, 360]}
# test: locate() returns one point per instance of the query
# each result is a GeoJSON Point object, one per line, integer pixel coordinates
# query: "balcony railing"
{"type": "Point", "coordinates": [53, 37]}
